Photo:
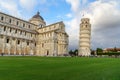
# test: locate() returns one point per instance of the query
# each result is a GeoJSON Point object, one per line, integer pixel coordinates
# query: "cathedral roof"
{"type": "Point", "coordinates": [38, 16]}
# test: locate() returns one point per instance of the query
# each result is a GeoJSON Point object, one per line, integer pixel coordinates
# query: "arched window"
{"type": "Point", "coordinates": [4, 28]}
{"type": "Point", "coordinates": [7, 41]}
{"type": "Point", "coordinates": [27, 43]}
{"type": "Point", "coordinates": [2, 18]}
{"type": "Point", "coordinates": [23, 25]}
{"type": "Point", "coordinates": [42, 44]}
{"type": "Point", "coordinates": [16, 31]}
{"type": "Point", "coordinates": [18, 42]}
{"type": "Point", "coordinates": [29, 26]}
{"type": "Point", "coordinates": [10, 21]}
{"type": "Point", "coordinates": [10, 29]}
{"type": "Point", "coordinates": [17, 23]}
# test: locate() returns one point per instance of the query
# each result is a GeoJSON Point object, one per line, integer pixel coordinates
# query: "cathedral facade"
{"type": "Point", "coordinates": [33, 37]}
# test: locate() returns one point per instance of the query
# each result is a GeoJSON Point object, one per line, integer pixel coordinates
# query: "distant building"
{"type": "Point", "coordinates": [33, 37]}
{"type": "Point", "coordinates": [111, 50]}
{"type": "Point", "coordinates": [84, 37]}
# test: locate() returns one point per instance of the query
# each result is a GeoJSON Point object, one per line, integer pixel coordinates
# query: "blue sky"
{"type": "Point", "coordinates": [52, 11]}
{"type": "Point", "coordinates": [104, 16]}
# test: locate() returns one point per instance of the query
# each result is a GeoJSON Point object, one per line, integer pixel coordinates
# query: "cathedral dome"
{"type": "Point", "coordinates": [38, 20]}
{"type": "Point", "coordinates": [38, 16]}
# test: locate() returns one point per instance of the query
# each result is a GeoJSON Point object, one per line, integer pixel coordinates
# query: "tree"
{"type": "Point", "coordinates": [115, 49]}
{"type": "Point", "coordinates": [73, 53]}
{"type": "Point", "coordinates": [93, 52]}
{"type": "Point", "coordinates": [99, 50]}
{"type": "Point", "coordinates": [76, 52]}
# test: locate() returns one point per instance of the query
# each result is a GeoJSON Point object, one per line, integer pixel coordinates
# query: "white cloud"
{"type": "Point", "coordinates": [69, 15]}
{"type": "Point", "coordinates": [27, 4]}
{"type": "Point", "coordinates": [105, 19]}
{"type": "Point", "coordinates": [107, 14]}
{"type": "Point", "coordinates": [104, 16]}
{"type": "Point", "coordinates": [16, 7]}
{"type": "Point", "coordinates": [10, 7]}
{"type": "Point", "coordinates": [84, 1]}
{"type": "Point", "coordinates": [73, 31]}
{"type": "Point", "coordinates": [73, 24]}
{"type": "Point", "coordinates": [74, 4]}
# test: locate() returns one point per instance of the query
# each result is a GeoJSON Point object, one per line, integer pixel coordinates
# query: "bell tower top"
{"type": "Point", "coordinates": [85, 20]}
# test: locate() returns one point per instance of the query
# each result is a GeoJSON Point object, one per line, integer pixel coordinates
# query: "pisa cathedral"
{"type": "Point", "coordinates": [33, 37]}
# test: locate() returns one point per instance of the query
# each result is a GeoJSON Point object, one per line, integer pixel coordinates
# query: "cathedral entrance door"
{"type": "Point", "coordinates": [47, 52]}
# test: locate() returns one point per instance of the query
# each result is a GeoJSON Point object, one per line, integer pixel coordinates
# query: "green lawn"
{"type": "Point", "coordinates": [59, 68]}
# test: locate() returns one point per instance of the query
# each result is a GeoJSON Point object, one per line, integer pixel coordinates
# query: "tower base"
{"type": "Point", "coordinates": [84, 52]}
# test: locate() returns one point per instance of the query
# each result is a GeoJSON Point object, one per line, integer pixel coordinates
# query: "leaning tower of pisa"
{"type": "Point", "coordinates": [84, 38]}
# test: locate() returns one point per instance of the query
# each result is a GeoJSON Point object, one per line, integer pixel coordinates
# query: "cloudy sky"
{"type": "Point", "coordinates": [104, 16]}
